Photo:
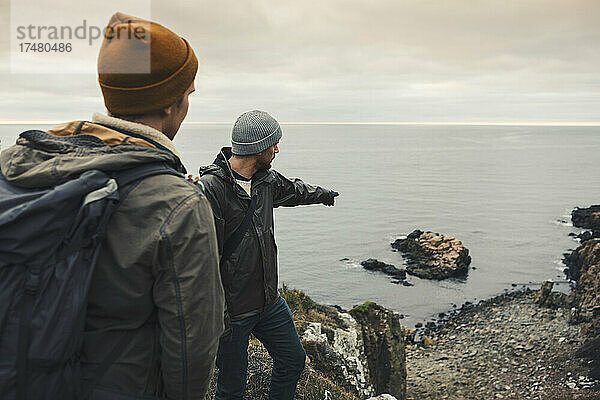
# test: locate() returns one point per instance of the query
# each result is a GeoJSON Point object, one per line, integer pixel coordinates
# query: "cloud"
{"type": "Point", "coordinates": [384, 60]}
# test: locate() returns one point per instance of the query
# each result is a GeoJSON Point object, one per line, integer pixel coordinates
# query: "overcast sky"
{"type": "Point", "coordinates": [356, 60]}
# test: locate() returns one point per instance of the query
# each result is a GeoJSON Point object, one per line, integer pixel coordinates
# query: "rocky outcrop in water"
{"type": "Point", "coordinates": [433, 256]}
{"type": "Point", "coordinates": [588, 218]}
{"type": "Point", "coordinates": [375, 265]}
{"type": "Point", "coordinates": [585, 235]}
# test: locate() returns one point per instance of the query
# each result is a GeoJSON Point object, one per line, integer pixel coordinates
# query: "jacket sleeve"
{"type": "Point", "coordinates": [293, 192]}
{"type": "Point", "coordinates": [189, 297]}
{"type": "Point", "coordinates": [213, 189]}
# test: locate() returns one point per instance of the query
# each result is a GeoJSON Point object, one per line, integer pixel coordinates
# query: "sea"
{"type": "Point", "coordinates": [505, 191]}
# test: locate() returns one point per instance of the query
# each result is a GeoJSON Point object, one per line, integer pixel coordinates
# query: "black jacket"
{"type": "Point", "coordinates": [249, 275]}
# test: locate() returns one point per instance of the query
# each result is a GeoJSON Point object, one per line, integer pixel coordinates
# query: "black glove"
{"type": "Point", "coordinates": [330, 198]}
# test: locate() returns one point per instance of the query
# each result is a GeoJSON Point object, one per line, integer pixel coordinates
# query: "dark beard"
{"type": "Point", "coordinates": [262, 166]}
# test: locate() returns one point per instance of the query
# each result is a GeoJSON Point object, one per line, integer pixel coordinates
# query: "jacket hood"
{"type": "Point", "coordinates": [220, 166]}
{"type": "Point", "coordinates": [41, 159]}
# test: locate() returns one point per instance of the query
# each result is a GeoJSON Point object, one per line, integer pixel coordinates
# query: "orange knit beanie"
{"type": "Point", "coordinates": [142, 66]}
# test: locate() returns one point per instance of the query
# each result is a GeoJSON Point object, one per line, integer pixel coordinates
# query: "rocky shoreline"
{"type": "Point", "coordinates": [518, 345]}
{"type": "Point", "coordinates": [521, 345]}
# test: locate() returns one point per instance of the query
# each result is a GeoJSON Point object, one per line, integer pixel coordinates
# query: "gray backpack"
{"type": "Point", "coordinates": [49, 243]}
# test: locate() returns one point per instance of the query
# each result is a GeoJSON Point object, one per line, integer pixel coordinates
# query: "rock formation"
{"type": "Point", "coordinates": [375, 265]}
{"type": "Point", "coordinates": [584, 236]}
{"type": "Point", "coordinates": [433, 256]}
{"type": "Point", "coordinates": [384, 346]}
{"type": "Point", "coordinates": [582, 258]}
{"type": "Point", "coordinates": [545, 297]}
{"type": "Point", "coordinates": [588, 218]}
{"type": "Point", "coordinates": [361, 351]}
{"type": "Point", "coordinates": [584, 266]}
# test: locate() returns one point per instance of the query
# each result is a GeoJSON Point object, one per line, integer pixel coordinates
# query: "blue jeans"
{"type": "Point", "coordinates": [275, 329]}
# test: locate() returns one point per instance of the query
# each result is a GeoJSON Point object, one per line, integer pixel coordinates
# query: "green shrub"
{"type": "Point", "coordinates": [365, 307]}
{"type": "Point", "coordinates": [297, 300]}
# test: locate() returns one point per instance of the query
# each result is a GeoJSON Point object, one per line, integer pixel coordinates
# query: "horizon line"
{"type": "Point", "coordinates": [400, 123]}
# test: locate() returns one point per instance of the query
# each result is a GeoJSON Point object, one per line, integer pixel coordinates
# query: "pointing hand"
{"type": "Point", "coordinates": [331, 198]}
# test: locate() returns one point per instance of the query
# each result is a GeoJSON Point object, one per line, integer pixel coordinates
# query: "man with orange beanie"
{"type": "Point", "coordinates": [156, 300]}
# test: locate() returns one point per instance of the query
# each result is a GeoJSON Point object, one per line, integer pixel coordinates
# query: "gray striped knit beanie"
{"type": "Point", "coordinates": [253, 132]}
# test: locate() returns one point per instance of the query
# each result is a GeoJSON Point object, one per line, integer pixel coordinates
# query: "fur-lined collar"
{"type": "Point", "coordinates": [140, 129]}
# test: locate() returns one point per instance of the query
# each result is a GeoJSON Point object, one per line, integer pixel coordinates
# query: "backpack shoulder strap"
{"type": "Point", "coordinates": [131, 175]}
